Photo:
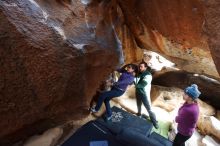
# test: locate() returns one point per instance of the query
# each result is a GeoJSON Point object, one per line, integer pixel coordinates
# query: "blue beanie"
{"type": "Point", "coordinates": [193, 91]}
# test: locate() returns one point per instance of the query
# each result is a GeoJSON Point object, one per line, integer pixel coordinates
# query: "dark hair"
{"type": "Point", "coordinates": [134, 67]}
{"type": "Point", "coordinates": [145, 64]}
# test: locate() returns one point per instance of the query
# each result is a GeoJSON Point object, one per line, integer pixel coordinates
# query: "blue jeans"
{"type": "Point", "coordinates": [142, 98]}
{"type": "Point", "coordinates": [106, 97]}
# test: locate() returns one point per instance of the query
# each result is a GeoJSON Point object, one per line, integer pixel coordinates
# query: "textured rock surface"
{"type": "Point", "coordinates": [174, 29]}
{"type": "Point", "coordinates": [48, 138]}
{"type": "Point", "coordinates": [209, 125]}
{"type": "Point", "coordinates": [218, 115]}
{"type": "Point", "coordinates": [50, 53]}
{"type": "Point", "coordinates": [212, 26]}
{"type": "Point", "coordinates": [165, 103]}
{"type": "Point", "coordinates": [166, 98]}
{"type": "Point", "coordinates": [170, 98]}
{"type": "Point", "coordinates": [208, 140]}
{"type": "Point", "coordinates": [209, 87]}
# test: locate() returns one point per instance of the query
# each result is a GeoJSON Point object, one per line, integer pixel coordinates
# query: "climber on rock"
{"type": "Point", "coordinates": [187, 115]}
{"type": "Point", "coordinates": [118, 89]}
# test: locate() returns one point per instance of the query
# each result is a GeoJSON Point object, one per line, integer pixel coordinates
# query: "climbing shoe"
{"type": "Point", "coordinates": [156, 125]}
{"type": "Point", "coordinates": [107, 119]}
{"type": "Point", "coordinates": [93, 110]}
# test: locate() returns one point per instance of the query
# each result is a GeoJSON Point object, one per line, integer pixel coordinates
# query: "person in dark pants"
{"type": "Point", "coordinates": [187, 115]}
{"type": "Point", "coordinates": [143, 87]}
{"type": "Point", "coordinates": [118, 89]}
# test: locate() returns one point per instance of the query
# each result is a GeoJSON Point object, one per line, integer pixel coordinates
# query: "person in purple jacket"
{"type": "Point", "coordinates": [187, 115]}
{"type": "Point", "coordinates": [118, 89]}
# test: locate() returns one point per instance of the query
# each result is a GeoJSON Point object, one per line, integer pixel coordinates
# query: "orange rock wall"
{"type": "Point", "coordinates": [54, 53]}
{"type": "Point", "coordinates": [175, 29]}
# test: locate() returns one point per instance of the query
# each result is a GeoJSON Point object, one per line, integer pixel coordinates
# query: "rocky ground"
{"type": "Point", "coordinates": [165, 103]}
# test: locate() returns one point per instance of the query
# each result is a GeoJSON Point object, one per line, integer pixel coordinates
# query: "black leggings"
{"type": "Point", "coordinates": [180, 140]}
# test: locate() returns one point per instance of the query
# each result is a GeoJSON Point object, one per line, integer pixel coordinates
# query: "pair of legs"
{"type": "Point", "coordinates": [180, 140]}
{"type": "Point", "coordinates": [106, 97]}
{"type": "Point", "coordinates": [142, 98]}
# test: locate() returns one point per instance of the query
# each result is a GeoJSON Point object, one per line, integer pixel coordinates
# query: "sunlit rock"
{"type": "Point", "coordinates": [209, 141]}
{"type": "Point", "coordinates": [48, 138]}
{"type": "Point", "coordinates": [156, 61]}
{"type": "Point", "coordinates": [166, 98]}
{"type": "Point", "coordinates": [208, 86]}
{"type": "Point", "coordinates": [195, 140]}
{"type": "Point", "coordinates": [86, 2]}
{"type": "Point", "coordinates": [170, 98]}
{"type": "Point", "coordinates": [209, 125]}
{"type": "Point", "coordinates": [206, 109]}
{"type": "Point", "coordinates": [179, 38]}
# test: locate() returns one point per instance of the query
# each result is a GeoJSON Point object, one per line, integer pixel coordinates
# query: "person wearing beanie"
{"type": "Point", "coordinates": [187, 115]}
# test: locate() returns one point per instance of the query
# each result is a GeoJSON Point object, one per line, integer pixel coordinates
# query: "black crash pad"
{"type": "Point", "coordinates": [123, 120]}
{"type": "Point", "coordinates": [162, 140]}
{"type": "Point", "coordinates": [89, 133]}
{"type": "Point", "coordinates": [129, 137]}
{"type": "Point", "coordinates": [124, 129]}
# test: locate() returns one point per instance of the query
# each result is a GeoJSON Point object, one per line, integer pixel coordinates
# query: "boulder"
{"type": "Point", "coordinates": [52, 51]}
{"type": "Point", "coordinates": [167, 98]}
{"type": "Point", "coordinates": [218, 114]}
{"type": "Point", "coordinates": [195, 140]}
{"type": "Point", "coordinates": [48, 138]}
{"type": "Point", "coordinates": [170, 98]}
{"type": "Point", "coordinates": [209, 141]}
{"type": "Point", "coordinates": [209, 125]}
{"type": "Point", "coordinates": [179, 38]}
{"type": "Point", "coordinates": [208, 86]}
{"type": "Point", "coordinates": [50, 55]}
{"type": "Point", "coordinates": [211, 28]}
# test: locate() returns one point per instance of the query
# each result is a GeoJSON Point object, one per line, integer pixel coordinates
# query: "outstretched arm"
{"type": "Point", "coordinates": [123, 68]}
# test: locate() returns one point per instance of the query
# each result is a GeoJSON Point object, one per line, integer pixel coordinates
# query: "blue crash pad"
{"type": "Point", "coordinates": [124, 129]}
